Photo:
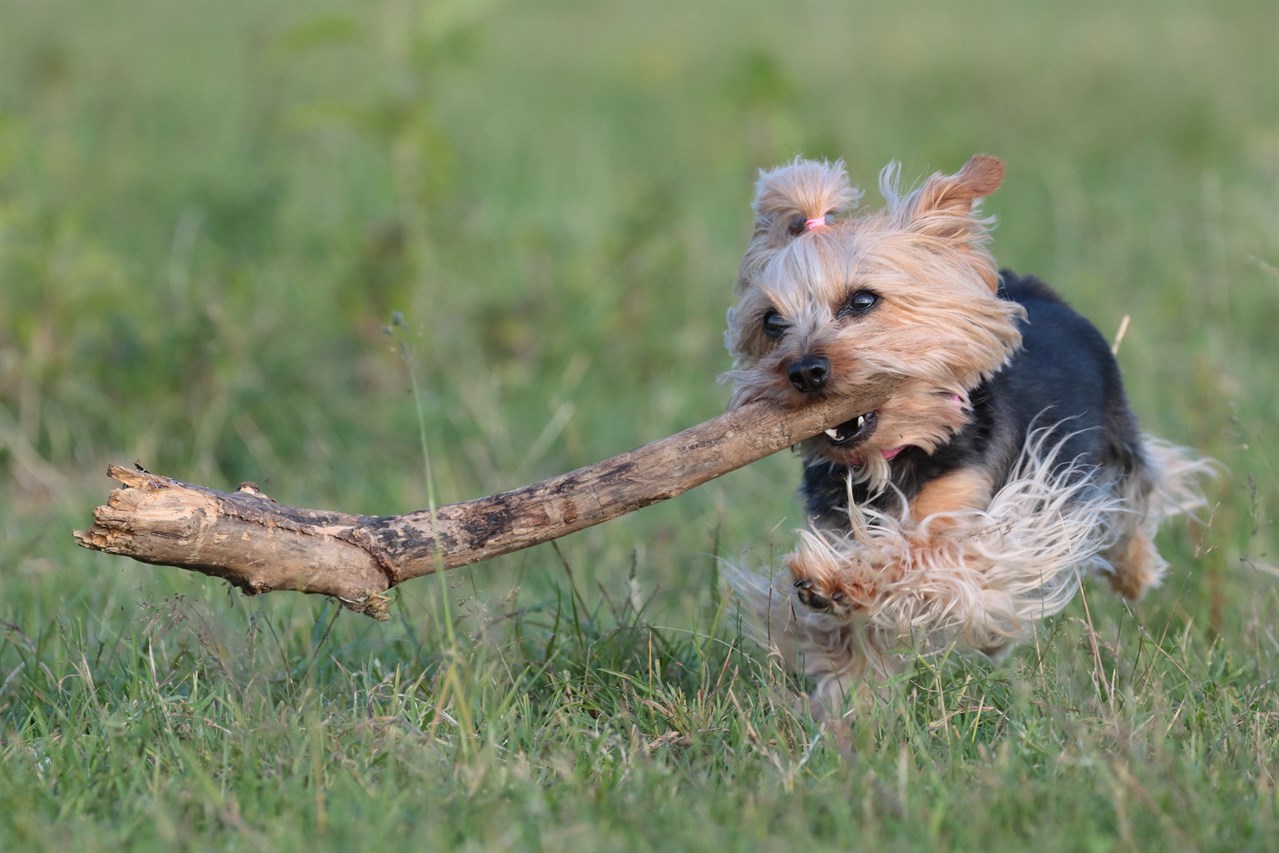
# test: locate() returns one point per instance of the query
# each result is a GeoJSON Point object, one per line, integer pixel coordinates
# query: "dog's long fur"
{"type": "Point", "coordinates": [1007, 465]}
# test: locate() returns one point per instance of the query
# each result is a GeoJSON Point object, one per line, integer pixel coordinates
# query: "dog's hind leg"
{"type": "Point", "coordinates": [1169, 482]}
{"type": "Point", "coordinates": [1137, 565]}
{"type": "Point", "coordinates": [1134, 564]}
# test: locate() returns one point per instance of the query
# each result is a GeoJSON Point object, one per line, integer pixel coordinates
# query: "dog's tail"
{"type": "Point", "coordinates": [1180, 477]}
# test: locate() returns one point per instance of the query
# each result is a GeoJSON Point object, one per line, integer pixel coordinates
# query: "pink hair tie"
{"type": "Point", "coordinates": [814, 224]}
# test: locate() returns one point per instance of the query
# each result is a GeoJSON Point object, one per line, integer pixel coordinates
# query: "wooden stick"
{"type": "Point", "coordinates": [260, 545]}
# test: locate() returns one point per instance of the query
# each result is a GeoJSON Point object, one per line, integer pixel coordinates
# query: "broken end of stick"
{"type": "Point", "coordinates": [112, 531]}
{"type": "Point", "coordinates": [244, 538]}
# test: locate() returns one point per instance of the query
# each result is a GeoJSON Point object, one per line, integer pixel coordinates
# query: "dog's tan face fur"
{"type": "Point", "coordinates": [907, 291]}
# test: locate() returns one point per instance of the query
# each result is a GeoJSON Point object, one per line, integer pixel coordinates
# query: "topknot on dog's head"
{"type": "Point", "coordinates": [790, 200]}
{"type": "Point", "coordinates": [802, 190]}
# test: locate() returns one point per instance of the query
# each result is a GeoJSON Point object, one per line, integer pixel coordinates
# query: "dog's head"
{"type": "Point", "coordinates": [827, 303]}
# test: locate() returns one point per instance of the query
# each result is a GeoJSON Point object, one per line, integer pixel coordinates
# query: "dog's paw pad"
{"type": "Point", "coordinates": [833, 601]}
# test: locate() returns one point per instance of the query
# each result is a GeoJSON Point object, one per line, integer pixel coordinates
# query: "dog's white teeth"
{"type": "Point", "coordinates": [833, 433]}
{"type": "Point", "coordinates": [861, 421]}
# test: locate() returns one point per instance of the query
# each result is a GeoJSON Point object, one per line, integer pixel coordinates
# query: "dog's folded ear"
{"type": "Point", "coordinates": [945, 206]}
{"type": "Point", "coordinates": [956, 194]}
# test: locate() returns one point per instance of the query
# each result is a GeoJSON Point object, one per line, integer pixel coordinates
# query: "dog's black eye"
{"type": "Point", "coordinates": [859, 303]}
{"type": "Point", "coordinates": [798, 225]}
{"type": "Point", "coordinates": [774, 325]}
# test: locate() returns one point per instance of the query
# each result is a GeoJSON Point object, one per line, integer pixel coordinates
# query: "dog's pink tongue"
{"type": "Point", "coordinates": [893, 451]}
{"type": "Point", "coordinates": [887, 454]}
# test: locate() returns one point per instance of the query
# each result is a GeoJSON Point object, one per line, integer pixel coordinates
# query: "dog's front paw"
{"type": "Point", "coordinates": [840, 576]}
{"type": "Point", "coordinates": [825, 598]}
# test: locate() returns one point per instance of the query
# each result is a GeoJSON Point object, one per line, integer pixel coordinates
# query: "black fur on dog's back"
{"type": "Point", "coordinates": [1063, 377]}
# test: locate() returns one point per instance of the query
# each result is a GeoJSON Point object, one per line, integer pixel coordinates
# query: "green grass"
{"type": "Point", "coordinates": [209, 213]}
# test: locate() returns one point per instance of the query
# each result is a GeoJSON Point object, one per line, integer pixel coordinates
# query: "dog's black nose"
{"type": "Point", "coordinates": [809, 373]}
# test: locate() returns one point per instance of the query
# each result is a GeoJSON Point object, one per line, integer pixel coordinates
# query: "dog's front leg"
{"type": "Point", "coordinates": [954, 492]}
{"type": "Point", "coordinates": [846, 574]}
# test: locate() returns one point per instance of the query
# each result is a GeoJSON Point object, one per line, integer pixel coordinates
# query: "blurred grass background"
{"type": "Point", "coordinates": [235, 236]}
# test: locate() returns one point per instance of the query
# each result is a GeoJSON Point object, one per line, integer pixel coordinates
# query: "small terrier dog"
{"type": "Point", "coordinates": [1006, 465]}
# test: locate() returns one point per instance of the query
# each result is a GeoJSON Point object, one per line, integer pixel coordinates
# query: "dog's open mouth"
{"type": "Point", "coordinates": [851, 433]}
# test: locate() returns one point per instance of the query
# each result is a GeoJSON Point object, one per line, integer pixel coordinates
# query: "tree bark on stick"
{"type": "Point", "coordinates": [260, 545]}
